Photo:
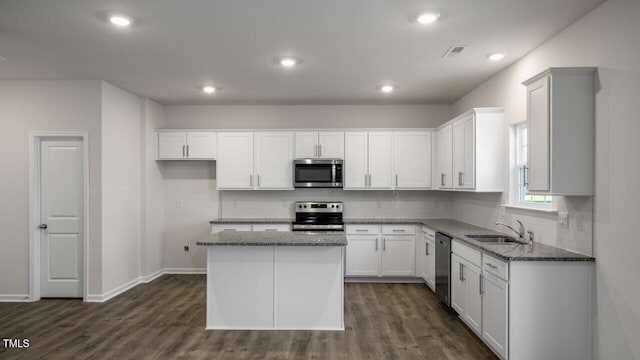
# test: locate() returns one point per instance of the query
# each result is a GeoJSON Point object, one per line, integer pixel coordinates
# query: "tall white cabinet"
{"type": "Point", "coordinates": [560, 118]}
{"type": "Point", "coordinates": [471, 152]}
{"type": "Point", "coordinates": [259, 161]}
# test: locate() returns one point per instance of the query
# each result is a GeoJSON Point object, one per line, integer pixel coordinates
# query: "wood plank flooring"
{"type": "Point", "coordinates": [165, 319]}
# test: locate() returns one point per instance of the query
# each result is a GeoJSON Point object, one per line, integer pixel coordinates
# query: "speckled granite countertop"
{"type": "Point", "coordinates": [269, 238]}
{"type": "Point", "coordinates": [457, 230]}
{"type": "Point", "coordinates": [252, 221]}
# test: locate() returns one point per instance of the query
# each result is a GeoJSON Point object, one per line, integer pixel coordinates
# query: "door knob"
{"type": "Point", "coordinates": [43, 226]}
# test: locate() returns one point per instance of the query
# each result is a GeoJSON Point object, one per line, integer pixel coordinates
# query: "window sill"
{"type": "Point", "coordinates": [520, 207]}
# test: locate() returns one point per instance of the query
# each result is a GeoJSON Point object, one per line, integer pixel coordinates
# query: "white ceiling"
{"type": "Point", "coordinates": [348, 47]}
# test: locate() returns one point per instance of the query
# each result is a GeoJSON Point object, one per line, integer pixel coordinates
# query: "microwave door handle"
{"type": "Point", "coordinates": [333, 173]}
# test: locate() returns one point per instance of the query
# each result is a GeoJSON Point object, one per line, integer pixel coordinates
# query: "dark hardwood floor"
{"type": "Point", "coordinates": [165, 319]}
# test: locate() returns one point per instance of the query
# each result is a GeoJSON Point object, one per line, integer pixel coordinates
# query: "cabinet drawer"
{"type": "Point", "coordinates": [271, 227]}
{"type": "Point", "coordinates": [363, 229]}
{"type": "Point", "coordinates": [428, 233]}
{"type": "Point", "coordinates": [399, 229]}
{"type": "Point", "coordinates": [215, 228]}
{"type": "Point", "coordinates": [497, 267]}
{"type": "Point", "coordinates": [470, 254]}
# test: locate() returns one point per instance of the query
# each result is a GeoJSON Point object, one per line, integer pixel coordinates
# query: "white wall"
{"type": "Point", "coordinates": [121, 190]}
{"type": "Point", "coordinates": [607, 37]}
{"type": "Point", "coordinates": [152, 211]}
{"type": "Point", "coordinates": [42, 106]}
{"type": "Point", "coordinates": [306, 116]}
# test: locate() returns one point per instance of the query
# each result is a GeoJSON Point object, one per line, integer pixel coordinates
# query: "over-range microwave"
{"type": "Point", "coordinates": [317, 173]}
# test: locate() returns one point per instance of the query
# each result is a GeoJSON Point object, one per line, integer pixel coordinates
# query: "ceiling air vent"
{"type": "Point", "coordinates": [454, 51]}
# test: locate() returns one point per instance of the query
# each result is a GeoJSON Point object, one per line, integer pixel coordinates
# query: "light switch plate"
{"type": "Point", "coordinates": [563, 219]}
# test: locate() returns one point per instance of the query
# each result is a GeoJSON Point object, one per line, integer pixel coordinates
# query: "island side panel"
{"type": "Point", "coordinates": [309, 287]}
{"type": "Point", "coordinates": [240, 287]}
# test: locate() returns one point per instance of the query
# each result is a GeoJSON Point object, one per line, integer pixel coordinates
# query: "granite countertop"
{"type": "Point", "coordinates": [457, 230]}
{"type": "Point", "coordinates": [273, 238]}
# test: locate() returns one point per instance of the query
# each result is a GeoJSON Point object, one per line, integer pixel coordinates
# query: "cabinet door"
{"type": "Point", "coordinates": [421, 257]}
{"type": "Point", "coordinates": [463, 153]}
{"type": "Point", "coordinates": [331, 145]}
{"type": "Point", "coordinates": [430, 264]}
{"type": "Point", "coordinates": [538, 134]}
{"type": "Point", "coordinates": [355, 160]}
{"type": "Point", "coordinates": [473, 312]}
{"type": "Point", "coordinates": [306, 145]}
{"type": "Point", "coordinates": [445, 157]}
{"type": "Point", "coordinates": [363, 256]}
{"type": "Point", "coordinates": [234, 167]}
{"type": "Point", "coordinates": [201, 145]}
{"type": "Point", "coordinates": [495, 310]}
{"type": "Point", "coordinates": [412, 159]}
{"type": "Point", "coordinates": [398, 255]}
{"type": "Point", "coordinates": [171, 145]}
{"type": "Point", "coordinates": [458, 287]}
{"type": "Point", "coordinates": [274, 160]}
{"type": "Point", "coordinates": [380, 160]}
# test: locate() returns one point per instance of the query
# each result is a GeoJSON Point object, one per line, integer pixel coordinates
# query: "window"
{"type": "Point", "coordinates": [519, 195]}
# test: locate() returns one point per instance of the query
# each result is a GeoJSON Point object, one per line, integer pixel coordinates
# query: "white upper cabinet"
{"type": "Point", "coordinates": [471, 151]}
{"type": "Point", "coordinates": [322, 145]}
{"type": "Point", "coordinates": [368, 157]}
{"type": "Point", "coordinates": [269, 167]}
{"type": "Point", "coordinates": [186, 145]}
{"type": "Point", "coordinates": [560, 105]}
{"type": "Point", "coordinates": [234, 167]}
{"type": "Point", "coordinates": [412, 159]}
{"type": "Point", "coordinates": [444, 157]}
{"type": "Point", "coordinates": [273, 160]}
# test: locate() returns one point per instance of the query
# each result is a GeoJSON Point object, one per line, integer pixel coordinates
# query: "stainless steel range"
{"type": "Point", "coordinates": [318, 216]}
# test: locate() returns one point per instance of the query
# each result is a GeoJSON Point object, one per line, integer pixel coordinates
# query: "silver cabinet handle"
{"type": "Point", "coordinates": [320, 150]}
{"type": "Point", "coordinates": [384, 244]}
{"type": "Point", "coordinates": [462, 278]}
{"type": "Point", "coordinates": [396, 180]}
{"type": "Point", "coordinates": [250, 180]}
{"type": "Point", "coordinates": [460, 272]}
{"type": "Point", "coordinates": [526, 176]}
{"type": "Point", "coordinates": [187, 150]}
{"type": "Point", "coordinates": [315, 150]}
{"type": "Point", "coordinates": [427, 249]}
{"type": "Point", "coordinates": [229, 229]}
{"type": "Point", "coordinates": [43, 226]}
{"type": "Point", "coordinates": [398, 230]}
{"type": "Point", "coordinates": [376, 244]}
{"type": "Point", "coordinates": [183, 151]}
{"type": "Point", "coordinates": [460, 182]}
{"type": "Point", "coordinates": [270, 229]}
{"type": "Point", "coordinates": [258, 179]}
{"type": "Point", "coordinates": [442, 179]}
{"type": "Point", "coordinates": [361, 230]}
{"type": "Point", "coordinates": [481, 289]}
{"type": "Point", "coordinates": [495, 267]}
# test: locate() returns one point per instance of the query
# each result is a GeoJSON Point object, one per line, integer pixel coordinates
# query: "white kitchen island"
{"type": "Point", "coordinates": [275, 280]}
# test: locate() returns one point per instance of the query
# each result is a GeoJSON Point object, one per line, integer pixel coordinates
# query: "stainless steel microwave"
{"type": "Point", "coordinates": [317, 173]}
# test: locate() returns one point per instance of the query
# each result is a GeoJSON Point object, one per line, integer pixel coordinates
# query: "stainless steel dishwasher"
{"type": "Point", "coordinates": [443, 268]}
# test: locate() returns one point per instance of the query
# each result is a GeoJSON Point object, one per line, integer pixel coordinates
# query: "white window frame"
{"type": "Point", "coordinates": [515, 166]}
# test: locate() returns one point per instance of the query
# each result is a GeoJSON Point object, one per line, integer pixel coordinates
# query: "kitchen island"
{"type": "Point", "coordinates": [275, 280]}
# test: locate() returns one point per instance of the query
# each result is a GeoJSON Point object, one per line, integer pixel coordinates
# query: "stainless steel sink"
{"type": "Point", "coordinates": [497, 239]}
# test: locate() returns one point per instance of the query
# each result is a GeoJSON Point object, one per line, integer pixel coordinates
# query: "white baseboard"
{"type": "Point", "coordinates": [115, 292]}
{"type": "Point", "coordinates": [14, 297]}
{"type": "Point", "coordinates": [388, 280]}
{"type": "Point", "coordinates": [185, 270]}
{"type": "Point", "coordinates": [149, 278]}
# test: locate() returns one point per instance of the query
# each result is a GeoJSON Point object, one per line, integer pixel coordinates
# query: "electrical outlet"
{"type": "Point", "coordinates": [579, 222]}
{"type": "Point", "coordinates": [179, 203]}
{"type": "Point", "coordinates": [186, 248]}
{"type": "Point", "coordinates": [563, 219]}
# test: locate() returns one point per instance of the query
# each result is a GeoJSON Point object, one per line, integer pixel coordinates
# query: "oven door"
{"type": "Point", "coordinates": [317, 173]}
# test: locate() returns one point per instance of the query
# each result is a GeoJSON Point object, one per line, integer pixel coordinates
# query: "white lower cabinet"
{"type": "Point", "coordinates": [466, 296]}
{"type": "Point", "coordinates": [426, 257]}
{"type": "Point", "coordinates": [495, 311]}
{"type": "Point", "coordinates": [380, 251]}
{"type": "Point", "coordinates": [216, 228]}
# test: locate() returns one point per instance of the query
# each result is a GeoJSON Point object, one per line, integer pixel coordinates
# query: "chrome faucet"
{"type": "Point", "coordinates": [520, 231]}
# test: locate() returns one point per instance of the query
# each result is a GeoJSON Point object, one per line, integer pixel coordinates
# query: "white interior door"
{"type": "Point", "coordinates": [61, 217]}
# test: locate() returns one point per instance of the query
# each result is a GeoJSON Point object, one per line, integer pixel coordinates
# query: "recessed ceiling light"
{"type": "Point", "coordinates": [427, 18]}
{"type": "Point", "coordinates": [288, 61]}
{"type": "Point", "coordinates": [120, 20]}
{"type": "Point", "coordinates": [209, 89]}
{"type": "Point", "coordinates": [387, 88]}
{"type": "Point", "coordinates": [495, 57]}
